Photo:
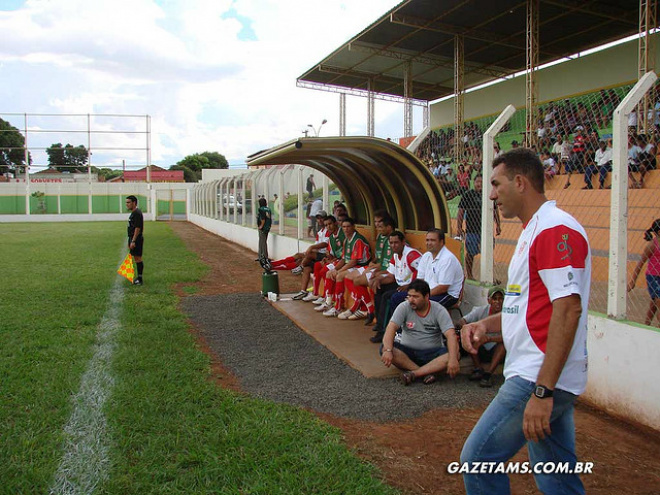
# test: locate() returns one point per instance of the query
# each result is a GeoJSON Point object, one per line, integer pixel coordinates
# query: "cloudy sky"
{"type": "Point", "coordinates": [214, 75]}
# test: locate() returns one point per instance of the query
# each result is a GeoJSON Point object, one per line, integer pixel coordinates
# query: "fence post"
{"type": "Point", "coordinates": [487, 259]}
{"type": "Point", "coordinates": [301, 219]}
{"type": "Point", "coordinates": [616, 293]}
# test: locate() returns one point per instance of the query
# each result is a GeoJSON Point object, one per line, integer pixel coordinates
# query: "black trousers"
{"type": "Point", "coordinates": [381, 302]}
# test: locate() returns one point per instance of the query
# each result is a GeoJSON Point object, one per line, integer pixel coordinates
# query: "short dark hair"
{"type": "Point", "coordinates": [132, 198]}
{"type": "Point", "coordinates": [523, 161]}
{"type": "Point", "coordinates": [399, 234]}
{"type": "Point", "coordinates": [349, 220]}
{"type": "Point", "coordinates": [439, 232]}
{"type": "Point", "coordinates": [382, 213]}
{"type": "Point", "coordinates": [420, 286]}
{"type": "Point", "coordinates": [389, 222]}
{"type": "Point", "coordinates": [331, 218]}
{"type": "Point", "coordinates": [262, 202]}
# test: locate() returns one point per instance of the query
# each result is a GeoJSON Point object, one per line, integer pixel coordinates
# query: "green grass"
{"type": "Point", "coordinates": [171, 429]}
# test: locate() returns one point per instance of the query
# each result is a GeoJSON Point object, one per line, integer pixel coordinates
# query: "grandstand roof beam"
{"type": "Point", "coordinates": [603, 10]}
{"type": "Point", "coordinates": [331, 88]}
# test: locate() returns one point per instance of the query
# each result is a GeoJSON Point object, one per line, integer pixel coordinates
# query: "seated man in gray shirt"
{"type": "Point", "coordinates": [419, 350]}
{"type": "Point", "coordinates": [492, 351]}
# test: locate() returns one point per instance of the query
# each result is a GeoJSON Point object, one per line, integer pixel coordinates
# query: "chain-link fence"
{"type": "Point", "coordinates": [574, 138]}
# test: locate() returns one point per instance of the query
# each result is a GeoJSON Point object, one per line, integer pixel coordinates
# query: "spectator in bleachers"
{"type": "Point", "coordinates": [449, 183]}
{"type": "Point", "coordinates": [401, 271]}
{"type": "Point", "coordinates": [576, 161]}
{"type": "Point", "coordinates": [356, 253]}
{"type": "Point", "coordinates": [651, 255]}
{"type": "Point", "coordinates": [549, 165]}
{"type": "Point", "coordinates": [419, 350]}
{"type": "Point", "coordinates": [357, 280]}
{"type": "Point", "coordinates": [441, 270]}
{"type": "Point", "coordinates": [463, 177]}
{"type": "Point", "coordinates": [492, 351]}
{"type": "Point", "coordinates": [602, 164]}
{"type": "Point", "coordinates": [645, 158]}
{"type": "Point", "coordinates": [469, 209]}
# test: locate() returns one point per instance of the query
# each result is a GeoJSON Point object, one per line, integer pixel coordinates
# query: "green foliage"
{"type": "Point", "coordinates": [107, 173]}
{"type": "Point", "coordinates": [192, 165]}
{"type": "Point", "coordinates": [67, 158]}
{"type": "Point", "coordinates": [12, 156]}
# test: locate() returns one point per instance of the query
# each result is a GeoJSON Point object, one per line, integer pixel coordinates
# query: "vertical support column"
{"type": "Point", "coordinates": [27, 168]}
{"type": "Point", "coordinates": [342, 114]}
{"type": "Point", "coordinates": [89, 164]}
{"type": "Point", "coordinates": [407, 103]}
{"type": "Point", "coordinates": [280, 209]}
{"type": "Point", "coordinates": [148, 133]}
{"type": "Point", "coordinates": [301, 219]}
{"type": "Point", "coordinates": [426, 116]}
{"type": "Point", "coordinates": [616, 294]}
{"type": "Point", "coordinates": [532, 59]}
{"type": "Point", "coordinates": [152, 201]}
{"type": "Point", "coordinates": [646, 62]}
{"type": "Point", "coordinates": [459, 95]}
{"type": "Point", "coordinates": [371, 117]}
{"type": "Point", "coordinates": [326, 193]}
{"type": "Point", "coordinates": [487, 258]}
{"type": "Point", "coordinates": [188, 204]}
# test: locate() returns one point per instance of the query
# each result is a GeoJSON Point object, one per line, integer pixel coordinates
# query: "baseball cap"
{"type": "Point", "coordinates": [322, 213]}
{"type": "Point", "coordinates": [494, 290]}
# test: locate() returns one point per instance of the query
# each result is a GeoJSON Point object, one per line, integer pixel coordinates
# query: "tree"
{"type": "Point", "coordinates": [12, 149]}
{"type": "Point", "coordinates": [188, 175]}
{"type": "Point", "coordinates": [107, 173]}
{"type": "Point", "coordinates": [197, 161]}
{"type": "Point", "coordinates": [67, 158]}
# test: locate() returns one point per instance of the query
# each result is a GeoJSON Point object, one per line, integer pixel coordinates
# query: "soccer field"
{"type": "Point", "coordinates": [104, 390]}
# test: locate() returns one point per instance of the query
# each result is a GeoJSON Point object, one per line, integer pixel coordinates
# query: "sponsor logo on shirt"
{"type": "Point", "coordinates": [513, 290]}
{"type": "Point", "coordinates": [410, 325]}
{"type": "Point", "coordinates": [511, 310]}
{"type": "Point", "coordinates": [563, 246]}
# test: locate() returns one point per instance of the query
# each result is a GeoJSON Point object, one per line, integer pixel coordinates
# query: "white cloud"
{"type": "Point", "coordinates": [188, 64]}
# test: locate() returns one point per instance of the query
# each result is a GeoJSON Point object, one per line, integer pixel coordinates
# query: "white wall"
{"type": "Point", "coordinates": [72, 217]}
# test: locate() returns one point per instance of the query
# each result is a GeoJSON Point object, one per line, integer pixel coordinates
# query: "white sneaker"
{"type": "Point", "coordinates": [358, 315]}
{"type": "Point", "coordinates": [331, 312]}
{"type": "Point", "coordinates": [297, 270]}
{"type": "Point", "coordinates": [345, 314]}
{"type": "Point", "coordinates": [310, 297]}
{"type": "Point", "coordinates": [320, 300]}
{"type": "Point", "coordinates": [323, 307]}
{"type": "Point", "coordinates": [300, 295]}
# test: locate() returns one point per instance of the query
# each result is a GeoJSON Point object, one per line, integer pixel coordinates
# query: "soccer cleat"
{"type": "Point", "coordinates": [320, 300]}
{"type": "Point", "coordinates": [137, 281]}
{"type": "Point", "coordinates": [299, 296]}
{"type": "Point", "coordinates": [331, 312]}
{"type": "Point", "coordinates": [358, 315]}
{"type": "Point", "coordinates": [310, 297]}
{"type": "Point", "coordinates": [345, 314]}
{"type": "Point", "coordinates": [323, 307]}
{"type": "Point", "coordinates": [297, 270]}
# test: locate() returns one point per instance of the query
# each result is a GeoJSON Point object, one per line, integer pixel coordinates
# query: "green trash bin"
{"type": "Point", "coordinates": [269, 283]}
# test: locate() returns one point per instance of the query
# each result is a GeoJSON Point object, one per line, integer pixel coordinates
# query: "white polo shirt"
{"type": "Point", "coordinates": [444, 269]}
{"type": "Point", "coordinates": [552, 260]}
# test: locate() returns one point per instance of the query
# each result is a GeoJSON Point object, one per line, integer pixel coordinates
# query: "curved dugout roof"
{"type": "Point", "coordinates": [370, 173]}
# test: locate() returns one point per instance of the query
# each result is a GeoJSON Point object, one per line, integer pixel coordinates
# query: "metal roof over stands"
{"type": "Point", "coordinates": [369, 173]}
{"type": "Point", "coordinates": [422, 32]}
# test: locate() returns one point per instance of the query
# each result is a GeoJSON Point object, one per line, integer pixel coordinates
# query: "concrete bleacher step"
{"type": "Point", "coordinates": [557, 183]}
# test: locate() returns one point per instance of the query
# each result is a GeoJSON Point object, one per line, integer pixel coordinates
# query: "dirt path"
{"type": "Point", "coordinates": [413, 455]}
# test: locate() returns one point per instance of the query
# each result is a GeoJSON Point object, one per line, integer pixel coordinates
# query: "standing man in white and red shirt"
{"type": "Point", "coordinates": [544, 328]}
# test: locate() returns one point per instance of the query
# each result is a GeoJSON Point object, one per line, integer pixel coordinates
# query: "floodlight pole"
{"type": "Point", "coordinates": [27, 169]}
{"type": "Point", "coordinates": [459, 97]}
{"type": "Point", "coordinates": [342, 114]}
{"type": "Point", "coordinates": [89, 163]}
{"type": "Point", "coordinates": [407, 105]}
{"type": "Point", "coordinates": [532, 60]}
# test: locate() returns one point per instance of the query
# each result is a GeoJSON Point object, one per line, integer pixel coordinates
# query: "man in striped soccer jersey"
{"type": "Point", "coordinates": [356, 253]}
{"type": "Point", "coordinates": [336, 238]}
{"type": "Point", "coordinates": [357, 279]}
{"type": "Point", "coordinates": [543, 325]}
{"type": "Point", "coordinates": [401, 271]}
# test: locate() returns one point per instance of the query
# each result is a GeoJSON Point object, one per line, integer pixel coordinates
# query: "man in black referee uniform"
{"type": "Point", "coordinates": [135, 239]}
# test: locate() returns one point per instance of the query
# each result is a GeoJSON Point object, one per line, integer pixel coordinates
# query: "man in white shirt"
{"type": "Point", "coordinates": [602, 164]}
{"type": "Point", "coordinates": [441, 270]}
{"type": "Point", "coordinates": [543, 324]}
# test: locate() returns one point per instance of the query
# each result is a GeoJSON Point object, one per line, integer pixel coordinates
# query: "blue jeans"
{"type": "Point", "coordinates": [498, 436]}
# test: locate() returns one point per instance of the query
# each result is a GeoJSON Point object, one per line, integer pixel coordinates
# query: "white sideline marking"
{"type": "Point", "coordinates": [85, 460]}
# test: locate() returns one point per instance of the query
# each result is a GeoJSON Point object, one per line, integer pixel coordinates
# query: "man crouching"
{"type": "Point", "coordinates": [419, 350]}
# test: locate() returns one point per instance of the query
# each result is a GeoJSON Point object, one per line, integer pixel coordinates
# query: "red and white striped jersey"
{"type": "Point", "coordinates": [323, 235]}
{"type": "Point", "coordinates": [552, 260]}
{"type": "Point", "coordinates": [404, 269]}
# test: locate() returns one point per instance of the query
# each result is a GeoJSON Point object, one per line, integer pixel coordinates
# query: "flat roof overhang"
{"type": "Point", "coordinates": [371, 174]}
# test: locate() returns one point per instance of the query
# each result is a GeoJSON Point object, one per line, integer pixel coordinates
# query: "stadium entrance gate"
{"type": "Point", "coordinates": [171, 204]}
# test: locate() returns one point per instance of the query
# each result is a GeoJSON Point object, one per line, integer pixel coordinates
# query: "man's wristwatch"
{"type": "Point", "coordinates": [542, 392]}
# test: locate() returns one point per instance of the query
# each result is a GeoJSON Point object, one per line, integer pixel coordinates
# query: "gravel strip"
{"type": "Point", "coordinates": [276, 360]}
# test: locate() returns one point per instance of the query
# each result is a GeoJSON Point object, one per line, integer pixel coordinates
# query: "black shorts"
{"type": "Point", "coordinates": [137, 251]}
